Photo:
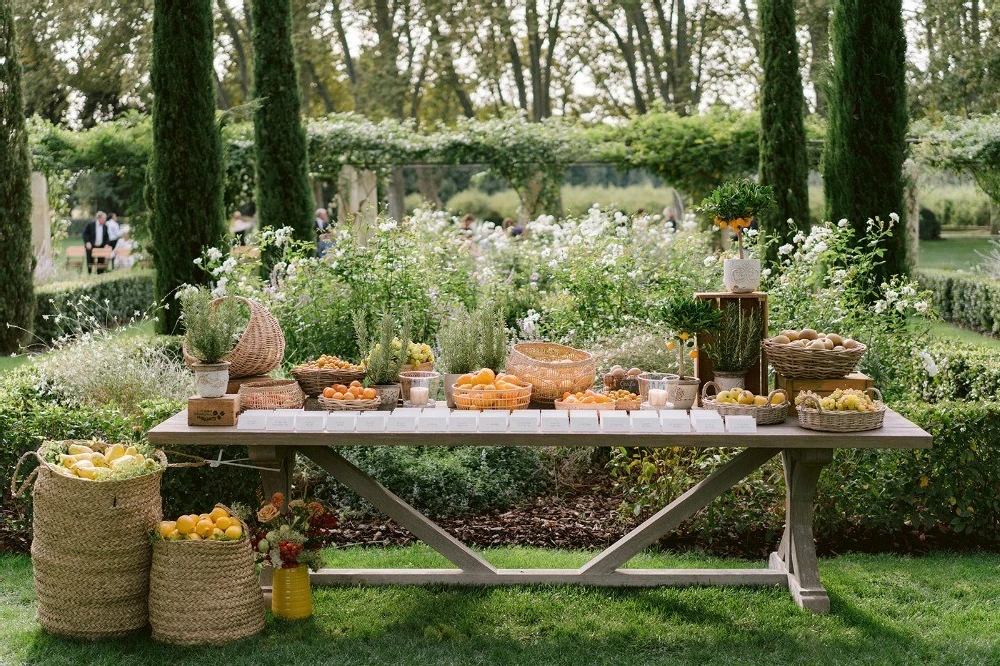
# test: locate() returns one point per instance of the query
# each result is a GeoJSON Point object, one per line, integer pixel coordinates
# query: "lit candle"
{"type": "Point", "coordinates": [657, 397]}
{"type": "Point", "coordinates": [419, 396]}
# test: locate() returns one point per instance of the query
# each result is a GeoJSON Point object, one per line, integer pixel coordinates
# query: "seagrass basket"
{"type": "Point", "coordinates": [312, 381]}
{"type": "Point", "coordinates": [798, 363]}
{"type": "Point", "coordinates": [331, 405]}
{"type": "Point", "coordinates": [551, 369]}
{"type": "Point", "coordinates": [515, 398]}
{"type": "Point", "coordinates": [812, 416]}
{"type": "Point", "coordinates": [261, 347]}
{"type": "Point", "coordinates": [769, 414]}
{"type": "Point", "coordinates": [271, 394]}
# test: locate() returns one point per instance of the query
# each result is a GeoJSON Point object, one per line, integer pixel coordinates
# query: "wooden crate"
{"type": "Point", "coordinates": [821, 387]}
{"type": "Point", "coordinates": [214, 411]}
{"type": "Point", "coordinates": [756, 379]}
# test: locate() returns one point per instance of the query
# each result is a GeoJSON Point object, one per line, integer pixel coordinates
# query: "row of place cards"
{"type": "Point", "coordinates": [415, 419]}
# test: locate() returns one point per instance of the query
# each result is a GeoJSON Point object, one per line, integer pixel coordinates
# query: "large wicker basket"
{"type": "Point", "coordinates": [812, 416]}
{"type": "Point", "coordinates": [769, 414]}
{"type": "Point", "coordinates": [261, 347]}
{"type": "Point", "coordinates": [798, 363]}
{"type": "Point", "coordinates": [271, 394]}
{"type": "Point", "coordinates": [551, 369]}
{"type": "Point", "coordinates": [516, 398]}
{"type": "Point", "coordinates": [314, 380]}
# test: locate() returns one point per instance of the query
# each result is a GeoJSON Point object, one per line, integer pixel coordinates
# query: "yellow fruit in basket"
{"type": "Point", "coordinates": [131, 451]}
{"type": "Point", "coordinates": [99, 460]}
{"type": "Point", "coordinates": [63, 471]}
{"type": "Point", "coordinates": [205, 527]}
{"type": "Point", "coordinates": [124, 462]}
{"type": "Point", "coordinates": [218, 512]}
{"type": "Point", "coordinates": [223, 523]}
{"type": "Point", "coordinates": [464, 379]}
{"type": "Point", "coordinates": [88, 472]}
{"type": "Point", "coordinates": [778, 398]}
{"type": "Point", "coordinates": [192, 537]}
{"type": "Point", "coordinates": [485, 376]}
{"type": "Point", "coordinates": [759, 400]}
{"type": "Point", "coordinates": [808, 334]}
{"type": "Point", "coordinates": [217, 534]}
{"type": "Point", "coordinates": [780, 339]}
{"type": "Point", "coordinates": [235, 532]}
{"type": "Point", "coordinates": [114, 452]}
{"type": "Point", "coordinates": [745, 398]}
{"type": "Point", "coordinates": [74, 449]}
{"type": "Point", "coordinates": [174, 536]}
{"type": "Point", "coordinates": [369, 394]}
{"type": "Point", "coordinates": [166, 527]}
{"type": "Point", "coordinates": [185, 525]}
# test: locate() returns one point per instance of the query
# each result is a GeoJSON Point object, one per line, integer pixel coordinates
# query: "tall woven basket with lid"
{"type": "Point", "coordinates": [551, 369]}
{"type": "Point", "coordinates": [260, 349]}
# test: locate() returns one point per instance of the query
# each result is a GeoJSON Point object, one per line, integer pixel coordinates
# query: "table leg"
{"type": "Point", "coordinates": [796, 553]}
{"type": "Point", "coordinates": [282, 460]}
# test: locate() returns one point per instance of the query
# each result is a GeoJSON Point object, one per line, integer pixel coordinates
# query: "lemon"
{"type": "Point", "coordinates": [166, 527]}
{"type": "Point", "coordinates": [78, 448]}
{"type": "Point", "coordinates": [205, 528]}
{"type": "Point", "coordinates": [174, 536]}
{"type": "Point", "coordinates": [218, 534]}
{"type": "Point", "coordinates": [745, 398]}
{"type": "Point", "coordinates": [218, 512]}
{"type": "Point", "coordinates": [224, 523]}
{"type": "Point", "coordinates": [778, 398]}
{"type": "Point", "coordinates": [114, 452]}
{"type": "Point", "coordinates": [193, 537]}
{"type": "Point", "coordinates": [185, 525]}
{"type": "Point", "coordinates": [759, 400]}
{"type": "Point", "coordinates": [204, 516]}
{"type": "Point", "coordinates": [235, 532]}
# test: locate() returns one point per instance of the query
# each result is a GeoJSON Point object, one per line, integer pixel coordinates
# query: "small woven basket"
{"type": "Point", "coordinates": [332, 405]}
{"type": "Point", "coordinates": [551, 369]}
{"type": "Point", "coordinates": [516, 398]}
{"type": "Point", "coordinates": [799, 363]}
{"type": "Point", "coordinates": [312, 381]}
{"type": "Point", "coordinates": [204, 592]}
{"type": "Point", "coordinates": [768, 414]}
{"type": "Point", "coordinates": [261, 347]}
{"type": "Point", "coordinates": [599, 406]}
{"type": "Point", "coordinates": [271, 394]}
{"type": "Point", "coordinates": [628, 405]}
{"type": "Point", "coordinates": [812, 416]}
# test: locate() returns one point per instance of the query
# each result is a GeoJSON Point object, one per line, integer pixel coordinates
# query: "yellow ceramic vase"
{"type": "Point", "coordinates": [291, 596]}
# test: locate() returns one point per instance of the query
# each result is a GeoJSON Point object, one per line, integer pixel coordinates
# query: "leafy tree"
{"type": "Point", "coordinates": [784, 164]}
{"type": "Point", "coordinates": [866, 137]}
{"type": "Point", "coordinates": [284, 197]}
{"type": "Point", "coordinates": [17, 300]}
{"type": "Point", "coordinates": [185, 178]}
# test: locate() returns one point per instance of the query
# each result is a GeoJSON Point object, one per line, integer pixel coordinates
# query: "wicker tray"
{"type": "Point", "coordinates": [799, 363]}
{"type": "Point", "coordinates": [629, 405]}
{"type": "Point", "coordinates": [261, 347]}
{"type": "Point", "coordinates": [517, 398]}
{"type": "Point", "coordinates": [764, 415]}
{"type": "Point", "coordinates": [314, 380]}
{"type": "Point", "coordinates": [331, 405]}
{"type": "Point", "coordinates": [271, 394]}
{"type": "Point", "coordinates": [814, 417]}
{"type": "Point", "coordinates": [599, 406]}
{"type": "Point", "coordinates": [537, 364]}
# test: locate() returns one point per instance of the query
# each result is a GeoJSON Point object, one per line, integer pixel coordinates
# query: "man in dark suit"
{"type": "Point", "coordinates": [96, 234]}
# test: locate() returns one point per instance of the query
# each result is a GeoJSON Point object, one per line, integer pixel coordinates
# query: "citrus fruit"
{"type": "Point", "coordinates": [218, 512]}
{"type": "Point", "coordinates": [223, 523]}
{"type": "Point", "coordinates": [193, 537]}
{"type": "Point", "coordinates": [328, 392]}
{"type": "Point", "coordinates": [234, 532]}
{"type": "Point", "coordinates": [185, 525]}
{"type": "Point", "coordinates": [205, 527]}
{"type": "Point", "coordinates": [369, 394]}
{"type": "Point", "coordinates": [166, 527]}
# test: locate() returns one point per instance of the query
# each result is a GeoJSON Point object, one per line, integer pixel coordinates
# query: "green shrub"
{"type": "Point", "coordinates": [930, 225]}
{"type": "Point", "coordinates": [961, 372]}
{"type": "Point", "coordinates": [85, 305]}
{"type": "Point", "coordinates": [966, 299]}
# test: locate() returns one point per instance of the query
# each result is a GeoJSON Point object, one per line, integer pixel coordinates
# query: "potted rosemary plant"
{"type": "Point", "coordinates": [734, 205]}
{"type": "Point", "coordinates": [472, 340]}
{"type": "Point", "coordinates": [736, 346]}
{"type": "Point", "coordinates": [686, 318]}
{"type": "Point", "coordinates": [384, 361]}
{"type": "Point", "coordinates": [212, 327]}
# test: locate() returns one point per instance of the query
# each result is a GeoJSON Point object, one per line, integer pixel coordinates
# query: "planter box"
{"type": "Point", "coordinates": [213, 411]}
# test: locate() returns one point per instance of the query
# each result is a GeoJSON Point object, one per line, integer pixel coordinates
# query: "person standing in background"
{"type": "Point", "coordinates": [324, 240]}
{"type": "Point", "coordinates": [96, 234]}
{"type": "Point", "coordinates": [114, 230]}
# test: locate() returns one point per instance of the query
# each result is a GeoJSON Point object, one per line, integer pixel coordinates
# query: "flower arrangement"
{"type": "Point", "coordinates": [288, 536]}
{"type": "Point", "coordinates": [735, 204]}
{"type": "Point", "coordinates": [686, 318]}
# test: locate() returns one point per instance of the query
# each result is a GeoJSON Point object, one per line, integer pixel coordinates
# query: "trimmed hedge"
{"type": "Point", "coordinates": [964, 298]}
{"type": "Point", "coordinates": [964, 372]}
{"type": "Point", "coordinates": [111, 298]}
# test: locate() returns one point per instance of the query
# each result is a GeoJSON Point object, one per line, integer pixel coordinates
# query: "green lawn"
{"type": "Point", "coordinates": [940, 609]}
{"type": "Point", "coordinates": [942, 330]}
{"type": "Point", "coordinates": [953, 253]}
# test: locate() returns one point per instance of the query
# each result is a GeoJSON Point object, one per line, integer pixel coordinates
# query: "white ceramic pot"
{"type": "Point", "coordinates": [211, 379]}
{"type": "Point", "coordinates": [682, 392]}
{"type": "Point", "coordinates": [726, 381]}
{"type": "Point", "coordinates": [741, 276]}
{"type": "Point", "coordinates": [389, 393]}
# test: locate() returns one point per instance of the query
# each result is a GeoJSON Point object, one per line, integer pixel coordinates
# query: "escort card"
{"type": "Point", "coordinates": [675, 421]}
{"type": "Point", "coordinates": [403, 420]}
{"type": "Point", "coordinates": [280, 422]}
{"type": "Point", "coordinates": [707, 420]}
{"type": "Point", "coordinates": [373, 421]}
{"type": "Point", "coordinates": [524, 420]}
{"type": "Point", "coordinates": [341, 421]}
{"type": "Point", "coordinates": [614, 420]}
{"type": "Point", "coordinates": [463, 421]}
{"type": "Point", "coordinates": [254, 419]}
{"type": "Point", "coordinates": [583, 420]}
{"type": "Point", "coordinates": [493, 420]}
{"type": "Point", "coordinates": [556, 420]}
{"type": "Point", "coordinates": [646, 421]}
{"type": "Point", "coordinates": [310, 422]}
{"type": "Point", "coordinates": [433, 420]}
{"type": "Point", "coordinates": [743, 424]}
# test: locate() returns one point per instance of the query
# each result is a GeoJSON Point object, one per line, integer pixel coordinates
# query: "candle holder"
{"type": "Point", "coordinates": [657, 383]}
{"type": "Point", "coordinates": [418, 387]}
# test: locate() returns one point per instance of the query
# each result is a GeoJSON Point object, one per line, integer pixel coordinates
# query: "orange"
{"type": "Point", "coordinates": [485, 376]}
{"type": "Point", "coordinates": [369, 394]}
{"type": "Point", "coordinates": [166, 527]}
{"type": "Point", "coordinates": [205, 528]}
{"type": "Point", "coordinates": [355, 383]}
{"type": "Point", "coordinates": [465, 386]}
{"type": "Point", "coordinates": [218, 512]}
{"type": "Point", "coordinates": [185, 525]}
{"type": "Point", "coordinates": [340, 388]}
{"type": "Point", "coordinates": [357, 391]}
{"type": "Point", "coordinates": [464, 379]}
{"type": "Point", "coordinates": [338, 396]}
{"type": "Point", "coordinates": [328, 392]}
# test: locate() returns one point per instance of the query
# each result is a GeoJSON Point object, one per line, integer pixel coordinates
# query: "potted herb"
{"type": "Point", "coordinates": [385, 360]}
{"type": "Point", "coordinates": [212, 328]}
{"type": "Point", "coordinates": [472, 340]}
{"type": "Point", "coordinates": [736, 346]}
{"type": "Point", "coordinates": [734, 205]}
{"type": "Point", "coordinates": [686, 318]}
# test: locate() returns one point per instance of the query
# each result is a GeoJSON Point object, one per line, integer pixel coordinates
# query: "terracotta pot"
{"type": "Point", "coordinates": [291, 595]}
{"type": "Point", "coordinates": [211, 379]}
{"type": "Point", "coordinates": [389, 393]}
{"type": "Point", "coordinates": [726, 381]}
{"type": "Point", "coordinates": [741, 276]}
{"type": "Point", "coordinates": [682, 392]}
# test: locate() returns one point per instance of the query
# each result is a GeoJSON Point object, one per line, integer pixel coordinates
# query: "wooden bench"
{"type": "Point", "coordinates": [102, 258]}
{"type": "Point", "coordinates": [76, 257]}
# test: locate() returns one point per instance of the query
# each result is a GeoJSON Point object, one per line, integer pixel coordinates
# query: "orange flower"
{"type": "Point", "coordinates": [268, 513]}
{"type": "Point", "coordinates": [278, 500]}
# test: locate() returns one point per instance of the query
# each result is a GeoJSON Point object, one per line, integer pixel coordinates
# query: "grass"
{"type": "Point", "coordinates": [947, 332]}
{"type": "Point", "coordinates": [144, 328]}
{"type": "Point", "coordinates": [939, 609]}
{"type": "Point", "coordinates": [953, 253]}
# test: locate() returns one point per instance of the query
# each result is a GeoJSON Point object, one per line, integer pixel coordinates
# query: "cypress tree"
{"type": "Point", "coordinates": [866, 135]}
{"type": "Point", "coordinates": [185, 183]}
{"type": "Point", "coordinates": [17, 290]}
{"type": "Point", "coordinates": [284, 196]}
{"type": "Point", "coordinates": [784, 164]}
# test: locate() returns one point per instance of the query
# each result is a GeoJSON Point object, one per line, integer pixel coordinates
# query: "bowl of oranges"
{"type": "Point", "coordinates": [350, 397]}
{"type": "Point", "coordinates": [326, 371]}
{"type": "Point", "coordinates": [486, 389]}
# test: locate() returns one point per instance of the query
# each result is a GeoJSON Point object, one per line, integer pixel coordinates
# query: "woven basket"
{"type": "Point", "coordinates": [764, 415]}
{"type": "Point", "coordinates": [517, 398]}
{"type": "Point", "coordinates": [798, 363]}
{"type": "Point", "coordinates": [599, 406]}
{"type": "Point", "coordinates": [204, 592]}
{"type": "Point", "coordinates": [271, 394]}
{"type": "Point", "coordinates": [814, 417]}
{"type": "Point", "coordinates": [90, 550]}
{"type": "Point", "coordinates": [541, 365]}
{"type": "Point", "coordinates": [331, 405]}
{"type": "Point", "coordinates": [312, 381]}
{"type": "Point", "coordinates": [261, 347]}
{"type": "Point", "coordinates": [628, 405]}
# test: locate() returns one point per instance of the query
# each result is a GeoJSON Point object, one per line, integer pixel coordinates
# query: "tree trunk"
{"type": "Point", "coordinates": [397, 194]}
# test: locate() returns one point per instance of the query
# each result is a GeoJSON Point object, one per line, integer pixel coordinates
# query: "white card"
{"type": "Point", "coordinates": [280, 422]}
{"type": "Point", "coordinates": [493, 420]}
{"type": "Point", "coordinates": [407, 411]}
{"type": "Point", "coordinates": [614, 420]}
{"type": "Point", "coordinates": [583, 420]}
{"type": "Point", "coordinates": [554, 421]}
{"type": "Point", "coordinates": [433, 420]}
{"type": "Point", "coordinates": [254, 419]}
{"type": "Point", "coordinates": [743, 424]}
{"type": "Point", "coordinates": [675, 421]}
{"type": "Point", "coordinates": [646, 421]}
{"type": "Point", "coordinates": [310, 422]}
{"type": "Point", "coordinates": [341, 421]}
{"type": "Point", "coordinates": [374, 421]}
{"type": "Point", "coordinates": [524, 420]}
{"type": "Point", "coordinates": [707, 423]}
{"type": "Point", "coordinates": [463, 421]}
{"type": "Point", "coordinates": [402, 421]}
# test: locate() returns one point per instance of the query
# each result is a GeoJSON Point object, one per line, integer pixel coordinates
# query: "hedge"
{"type": "Point", "coordinates": [965, 299]}
{"type": "Point", "coordinates": [963, 372]}
{"type": "Point", "coordinates": [112, 298]}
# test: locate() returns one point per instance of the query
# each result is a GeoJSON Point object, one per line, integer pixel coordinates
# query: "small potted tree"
{"type": "Point", "coordinates": [471, 340]}
{"type": "Point", "coordinates": [384, 361]}
{"type": "Point", "coordinates": [734, 205]}
{"type": "Point", "coordinates": [212, 328]}
{"type": "Point", "coordinates": [736, 346]}
{"type": "Point", "coordinates": [686, 318]}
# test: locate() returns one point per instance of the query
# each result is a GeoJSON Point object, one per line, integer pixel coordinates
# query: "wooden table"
{"type": "Point", "coordinates": [793, 565]}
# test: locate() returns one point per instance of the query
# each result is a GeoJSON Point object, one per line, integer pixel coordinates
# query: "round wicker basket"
{"type": "Point", "coordinates": [551, 369]}
{"type": "Point", "coordinates": [598, 406]}
{"type": "Point", "coordinates": [261, 347]}
{"type": "Point", "coordinates": [271, 394]}
{"type": "Point", "coordinates": [768, 414]}
{"type": "Point", "coordinates": [516, 398]}
{"type": "Point", "coordinates": [312, 381]}
{"type": "Point", "coordinates": [799, 363]}
{"type": "Point", "coordinates": [812, 416]}
{"type": "Point", "coordinates": [331, 405]}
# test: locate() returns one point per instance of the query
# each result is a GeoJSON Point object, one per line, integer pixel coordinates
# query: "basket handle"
{"type": "Point", "coordinates": [704, 390]}
{"type": "Point", "coordinates": [814, 400]}
{"type": "Point", "coordinates": [15, 490]}
{"type": "Point", "coordinates": [770, 397]}
{"type": "Point", "coordinates": [875, 393]}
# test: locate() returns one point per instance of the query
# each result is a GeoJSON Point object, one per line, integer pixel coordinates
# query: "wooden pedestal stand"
{"type": "Point", "coordinates": [756, 378]}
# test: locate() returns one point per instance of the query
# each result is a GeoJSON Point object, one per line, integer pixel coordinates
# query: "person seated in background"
{"type": "Point", "coordinates": [96, 234]}
{"type": "Point", "coordinates": [324, 240]}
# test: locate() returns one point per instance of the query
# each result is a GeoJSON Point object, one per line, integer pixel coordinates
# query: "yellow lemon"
{"type": "Point", "coordinates": [218, 512]}
{"type": "Point", "coordinates": [193, 537]}
{"type": "Point", "coordinates": [218, 534]}
{"type": "Point", "coordinates": [224, 523]}
{"type": "Point", "coordinates": [746, 398]}
{"type": "Point", "coordinates": [760, 400]}
{"type": "Point", "coordinates": [166, 527]}
{"type": "Point", "coordinates": [114, 452]}
{"type": "Point", "coordinates": [204, 516]}
{"type": "Point", "coordinates": [174, 536]}
{"type": "Point", "coordinates": [235, 532]}
{"type": "Point", "coordinates": [778, 398]}
{"type": "Point", "coordinates": [185, 525]}
{"type": "Point", "coordinates": [205, 528]}
{"type": "Point", "coordinates": [78, 448]}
